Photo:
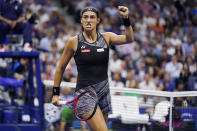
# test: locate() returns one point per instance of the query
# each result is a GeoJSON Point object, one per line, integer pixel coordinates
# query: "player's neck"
{"type": "Point", "coordinates": [90, 35]}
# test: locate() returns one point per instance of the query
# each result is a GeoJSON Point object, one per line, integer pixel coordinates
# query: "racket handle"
{"type": "Point", "coordinates": [62, 102]}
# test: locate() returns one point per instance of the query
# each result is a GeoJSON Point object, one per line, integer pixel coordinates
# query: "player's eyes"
{"type": "Point", "coordinates": [85, 17]}
{"type": "Point", "coordinates": [91, 17]}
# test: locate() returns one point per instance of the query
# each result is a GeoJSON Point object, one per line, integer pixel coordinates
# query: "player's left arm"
{"type": "Point", "coordinates": [115, 39]}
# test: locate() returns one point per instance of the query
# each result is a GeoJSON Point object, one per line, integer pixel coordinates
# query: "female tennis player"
{"type": "Point", "coordinates": [90, 50]}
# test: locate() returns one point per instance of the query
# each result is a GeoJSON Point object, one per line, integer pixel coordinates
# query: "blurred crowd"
{"type": "Point", "coordinates": [162, 57]}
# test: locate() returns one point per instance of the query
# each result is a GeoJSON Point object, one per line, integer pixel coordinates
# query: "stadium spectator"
{"type": "Point", "coordinates": [116, 81]}
{"type": "Point", "coordinates": [68, 75]}
{"type": "Point", "coordinates": [54, 52]}
{"type": "Point", "coordinates": [45, 42]}
{"type": "Point", "coordinates": [133, 84]}
{"type": "Point", "coordinates": [60, 41]}
{"type": "Point", "coordinates": [150, 58]}
{"type": "Point", "coordinates": [170, 49]}
{"type": "Point", "coordinates": [115, 63]}
{"type": "Point", "coordinates": [192, 65]}
{"type": "Point", "coordinates": [175, 40]}
{"type": "Point", "coordinates": [157, 27]}
{"type": "Point", "coordinates": [43, 16]}
{"type": "Point", "coordinates": [162, 60]}
{"type": "Point", "coordinates": [53, 65]}
{"type": "Point", "coordinates": [142, 70]}
{"type": "Point", "coordinates": [44, 57]}
{"type": "Point", "coordinates": [146, 101]}
{"type": "Point", "coordinates": [48, 72]}
{"type": "Point", "coordinates": [111, 10]}
{"type": "Point", "coordinates": [187, 47]}
{"type": "Point", "coordinates": [152, 74]}
{"type": "Point", "coordinates": [179, 53]}
{"type": "Point", "coordinates": [147, 83]}
{"type": "Point", "coordinates": [136, 53]}
{"type": "Point", "coordinates": [166, 84]}
{"type": "Point", "coordinates": [131, 75]}
{"type": "Point", "coordinates": [123, 70]}
{"type": "Point", "coordinates": [35, 6]}
{"type": "Point", "coordinates": [184, 76]}
{"type": "Point", "coordinates": [174, 67]}
{"type": "Point", "coordinates": [129, 62]}
{"type": "Point", "coordinates": [13, 20]}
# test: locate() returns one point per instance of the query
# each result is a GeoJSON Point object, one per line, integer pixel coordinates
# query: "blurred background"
{"type": "Point", "coordinates": [163, 56]}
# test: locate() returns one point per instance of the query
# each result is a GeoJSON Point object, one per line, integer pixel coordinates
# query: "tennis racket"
{"type": "Point", "coordinates": [85, 105]}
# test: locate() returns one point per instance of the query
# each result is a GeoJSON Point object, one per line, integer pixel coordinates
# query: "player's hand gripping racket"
{"type": "Point", "coordinates": [85, 105]}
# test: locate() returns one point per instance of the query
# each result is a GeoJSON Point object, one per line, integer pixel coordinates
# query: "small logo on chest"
{"type": "Point", "coordinates": [85, 50]}
{"type": "Point", "coordinates": [100, 50]}
{"type": "Point", "coordinates": [83, 46]}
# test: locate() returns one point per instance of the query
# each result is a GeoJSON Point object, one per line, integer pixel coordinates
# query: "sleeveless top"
{"type": "Point", "coordinates": [91, 60]}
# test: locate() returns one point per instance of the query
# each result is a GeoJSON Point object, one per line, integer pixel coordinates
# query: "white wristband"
{"type": "Point", "coordinates": [62, 102]}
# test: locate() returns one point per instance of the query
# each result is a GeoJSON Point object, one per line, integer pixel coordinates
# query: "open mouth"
{"type": "Point", "coordinates": [88, 25]}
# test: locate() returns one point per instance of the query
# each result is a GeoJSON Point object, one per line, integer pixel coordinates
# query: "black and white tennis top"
{"type": "Point", "coordinates": [91, 60]}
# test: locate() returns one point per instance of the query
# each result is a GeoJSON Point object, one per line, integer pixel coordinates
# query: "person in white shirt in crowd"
{"type": "Point", "coordinates": [114, 63]}
{"type": "Point", "coordinates": [170, 49]}
{"type": "Point", "coordinates": [174, 67]}
{"type": "Point", "coordinates": [35, 6]}
{"type": "Point", "coordinates": [136, 54]}
{"type": "Point", "coordinates": [60, 41]}
{"type": "Point", "coordinates": [148, 19]}
{"type": "Point", "coordinates": [43, 16]}
{"type": "Point", "coordinates": [116, 81]}
{"type": "Point", "coordinates": [147, 83]}
{"type": "Point", "coordinates": [175, 40]}
{"type": "Point", "coordinates": [45, 42]}
{"type": "Point", "coordinates": [142, 26]}
{"type": "Point", "coordinates": [124, 70]}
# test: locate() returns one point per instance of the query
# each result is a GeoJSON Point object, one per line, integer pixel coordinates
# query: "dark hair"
{"type": "Point", "coordinates": [90, 9]}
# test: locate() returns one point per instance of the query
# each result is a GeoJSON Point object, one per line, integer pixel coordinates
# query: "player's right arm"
{"type": "Point", "coordinates": [69, 51]}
